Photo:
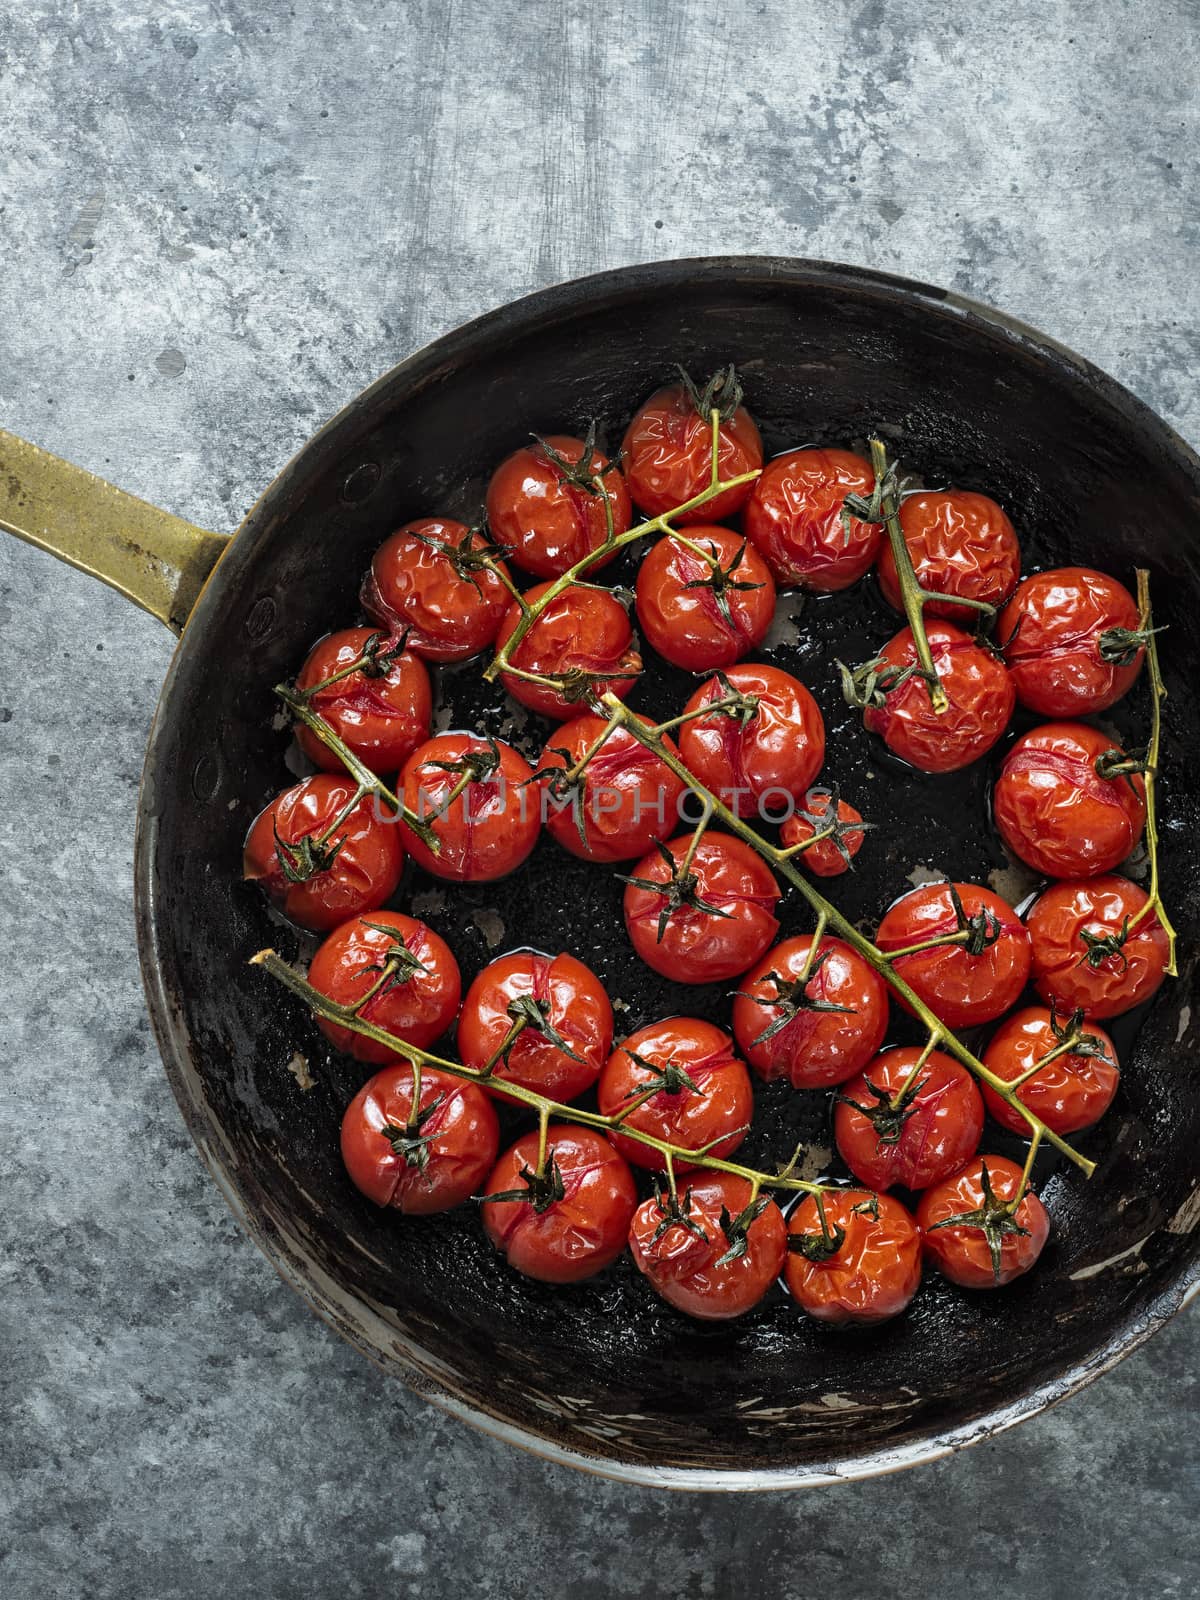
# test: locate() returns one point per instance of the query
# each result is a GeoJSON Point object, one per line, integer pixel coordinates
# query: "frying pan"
{"type": "Point", "coordinates": [602, 1375]}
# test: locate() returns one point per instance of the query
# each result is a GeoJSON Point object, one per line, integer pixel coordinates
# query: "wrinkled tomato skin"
{"type": "Point", "coordinates": [382, 720]}
{"type": "Point", "coordinates": [685, 624]}
{"type": "Point", "coordinates": [961, 1253]}
{"type": "Point", "coordinates": [1056, 813]}
{"type": "Point", "coordinates": [413, 586]}
{"type": "Point", "coordinates": [684, 1269]}
{"type": "Point", "coordinates": [959, 543]}
{"type": "Point", "coordinates": [630, 796]}
{"type": "Point", "coordinates": [1061, 970]}
{"type": "Point", "coordinates": [793, 516]}
{"type": "Point", "coordinates": [579, 1010]}
{"type": "Point", "coordinates": [1071, 1092]}
{"type": "Point", "coordinates": [364, 873]}
{"type": "Point", "coordinates": [698, 947]}
{"type": "Point", "coordinates": [578, 1236]}
{"type": "Point", "coordinates": [462, 1130]}
{"type": "Point", "coordinates": [667, 457]}
{"type": "Point", "coordinates": [581, 628]}
{"type": "Point", "coordinates": [979, 692]}
{"type": "Point", "coordinates": [718, 1109]}
{"type": "Point", "coordinates": [418, 1009]}
{"type": "Point", "coordinates": [823, 859]}
{"type": "Point", "coordinates": [817, 1048]}
{"type": "Point", "coordinates": [763, 764]}
{"type": "Point", "coordinates": [547, 522]}
{"type": "Point", "coordinates": [875, 1271]}
{"type": "Point", "coordinates": [489, 829]}
{"type": "Point", "coordinates": [944, 1129]}
{"type": "Point", "coordinates": [961, 989]}
{"type": "Point", "coordinates": [1050, 631]}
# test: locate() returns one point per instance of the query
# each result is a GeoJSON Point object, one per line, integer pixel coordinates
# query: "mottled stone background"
{"type": "Point", "coordinates": [218, 220]}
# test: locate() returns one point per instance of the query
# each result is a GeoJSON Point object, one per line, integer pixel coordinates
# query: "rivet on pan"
{"type": "Point", "coordinates": [360, 484]}
{"type": "Point", "coordinates": [261, 618]}
{"type": "Point", "coordinates": [206, 778]}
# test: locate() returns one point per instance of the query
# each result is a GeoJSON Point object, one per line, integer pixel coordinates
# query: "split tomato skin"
{"type": "Point", "coordinates": [765, 760]}
{"type": "Point", "coordinates": [1055, 811]}
{"type": "Point", "coordinates": [416, 1006]}
{"type": "Point", "coordinates": [582, 630]}
{"type": "Point", "coordinates": [685, 1266]}
{"type": "Point", "coordinates": [574, 1237]}
{"type": "Point", "coordinates": [667, 456]}
{"type": "Point", "coordinates": [1071, 1092]}
{"type": "Point", "coordinates": [942, 1129]}
{"type": "Point", "coordinates": [361, 876]}
{"type": "Point", "coordinates": [978, 688]}
{"type": "Point", "coordinates": [824, 859]}
{"type": "Point", "coordinates": [629, 797]}
{"type": "Point", "coordinates": [961, 1253]}
{"type": "Point", "coordinates": [793, 517]}
{"type": "Point", "coordinates": [488, 830]}
{"type": "Point", "coordinates": [960, 543]}
{"type": "Point", "coordinates": [382, 718]}
{"type": "Point", "coordinates": [1052, 631]}
{"type": "Point", "coordinates": [682, 616]}
{"type": "Point", "coordinates": [456, 1121]}
{"type": "Point", "coordinates": [545, 519]}
{"type": "Point", "coordinates": [960, 987]}
{"type": "Point", "coordinates": [1075, 971]}
{"type": "Point", "coordinates": [427, 581]}
{"type": "Point", "coordinates": [874, 1272]}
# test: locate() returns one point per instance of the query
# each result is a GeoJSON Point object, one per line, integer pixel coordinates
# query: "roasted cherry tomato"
{"type": "Point", "coordinates": [699, 614]}
{"type": "Point", "coordinates": [438, 582]}
{"type": "Point", "coordinates": [813, 1021]}
{"type": "Point", "coordinates": [701, 915]}
{"type": "Point", "coordinates": [763, 748]}
{"type": "Point", "coordinates": [1067, 802]}
{"type": "Point", "coordinates": [546, 504]}
{"type": "Point", "coordinates": [1089, 952]}
{"type": "Point", "coordinates": [476, 796]}
{"type": "Point", "coordinates": [572, 1220]}
{"type": "Point", "coordinates": [382, 711]}
{"type": "Point", "coordinates": [624, 800]}
{"type": "Point", "coordinates": [837, 827]}
{"type": "Point", "coordinates": [318, 869]}
{"type": "Point", "coordinates": [667, 449]}
{"type": "Point", "coordinates": [971, 1234]}
{"type": "Point", "coordinates": [975, 976]}
{"type": "Point", "coordinates": [409, 972]}
{"type": "Point", "coordinates": [714, 1252]}
{"type": "Point", "coordinates": [859, 1263]}
{"type": "Point", "coordinates": [959, 544]}
{"type": "Point", "coordinates": [584, 636]}
{"type": "Point", "coordinates": [680, 1081]}
{"type": "Point", "coordinates": [977, 687]}
{"type": "Point", "coordinates": [419, 1155]}
{"type": "Point", "coordinates": [1075, 1087]}
{"type": "Point", "coordinates": [794, 518]}
{"type": "Point", "coordinates": [896, 1125]}
{"type": "Point", "coordinates": [544, 1022]}
{"type": "Point", "coordinates": [1072, 641]}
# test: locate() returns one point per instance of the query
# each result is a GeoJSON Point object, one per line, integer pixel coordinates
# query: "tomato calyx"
{"type": "Point", "coordinates": [1113, 764]}
{"type": "Point", "coordinates": [1120, 647]}
{"type": "Point", "coordinates": [581, 685]}
{"type": "Point", "coordinates": [1102, 947]}
{"type": "Point", "coordinates": [996, 1219]}
{"type": "Point", "coordinates": [721, 581]}
{"type": "Point", "coordinates": [541, 1189]}
{"type": "Point", "coordinates": [567, 786]}
{"type": "Point", "coordinates": [578, 474]}
{"type": "Point", "coordinates": [307, 857]}
{"type": "Point", "coordinates": [475, 766]}
{"type": "Point", "coordinates": [722, 393]}
{"type": "Point", "coordinates": [739, 707]}
{"type": "Point", "coordinates": [867, 1208]}
{"type": "Point", "coordinates": [737, 1229]}
{"type": "Point", "coordinates": [1072, 1039]}
{"type": "Point", "coordinates": [887, 489]}
{"type": "Point", "coordinates": [818, 1246]}
{"type": "Point", "coordinates": [466, 557]}
{"type": "Point", "coordinates": [871, 683]}
{"type": "Point", "coordinates": [674, 1212]}
{"type": "Point", "coordinates": [397, 964]}
{"type": "Point", "coordinates": [828, 826]}
{"type": "Point", "coordinates": [408, 1141]}
{"type": "Point", "coordinates": [982, 930]}
{"type": "Point", "coordinates": [889, 1113]}
{"type": "Point", "coordinates": [526, 1012]}
{"type": "Point", "coordinates": [666, 1077]}
{"type": "Point", "coordinates": [791, 997]}
{"type": "Point", "coordinates": [681, 889]}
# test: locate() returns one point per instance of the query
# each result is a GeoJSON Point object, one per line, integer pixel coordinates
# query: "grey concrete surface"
{"type": "Point", "coordinates": [218, 219]}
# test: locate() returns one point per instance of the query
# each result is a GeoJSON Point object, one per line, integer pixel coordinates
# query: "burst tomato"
{"type": "Point", "coordinates": [762, 750]}
{"type": "Point", "coordinates": [475, 795]}
{"type": "Point", "coordinates": [667, 449]}
{"type": "Point", "coordinates": [959, 544]}
{"type": "Point", "coordinates": [840, 827]}
{"type": "Point", "coordinates": [1088, 955]}
{"type": "Point", "coordinates": [408, 971]}
{"type": "Point", "coordinates": [440, 583]}
{"type": "Point", "coordinates": [971, 1235]}
{"type": "Point", "coordinates": [1075, 1087]}
{"type": "Point", "coordinates": [547, 504]}
{"type": "Point", "coordinates": [794, 518]}
{"type": "Point", "coordinates": [544, 1022]}
{"type": "Point", "coordinates": [699, 614]}
{"type": "Point", "coordinates": [715, 1252]}
{"type": "Point", "coordinates": [382, 711]}
{"type": "Point", "coordinates": [977, 974]}
{"type": "Point", "coordinates": [1072, 642]}
{"type": "Point", "coordinates": [625, 799]}
{"type": "Point", "coordinates": [894, 1127]}
{"type": "Point", "coordinates": [860, 1263]}
{"type": "Point", "coordinates": [978, 690]}
{"type": "Point", "coordinates": [583, 636]}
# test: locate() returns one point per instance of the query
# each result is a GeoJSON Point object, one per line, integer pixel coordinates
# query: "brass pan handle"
{"type": "Point", "coordinates": [158, 561]}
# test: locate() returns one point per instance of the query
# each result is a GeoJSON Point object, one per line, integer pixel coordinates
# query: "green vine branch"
{"type": "Point", "coordinates": [1158, 694]}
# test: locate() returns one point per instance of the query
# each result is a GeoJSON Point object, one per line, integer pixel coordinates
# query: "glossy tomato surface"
{"type": "Point", "coordinates": [485, 829]}
{"type": "Point", "coordinates": [624, 800]}
{"type": "Point", "coordinates": [875, 1269]}
{"type": "Point", "coordinates": [702, 613]}
{"type": "Point", "coordinates": [706, 1265]}
{"type": "Point", "coordinates": [550, 512]}
{"type": "Point", "coordinates": [667, 454]}
{"type": "Point", "coordinates": [965, 983]}
{"type": "Point", "coordinates": [794, 518]}
{"type": "Point", "coordinates": [839, 826]}
{"type": "Point", "coordinates": [1072, 1091]}
{"type": "Point", "coordinates": [584, 634]}
{"type": "Point", "coordinates": [382, 711]}
{"type": "Point", "coordinates": [895, 1128]}
{"type": "Point", "coordinates": [1087, 951]}
{"type": "Point", "coordinates": [438, 582]}
{"type": "Point", "coordinates": [959, 544]}
{"type": "Point", "coordinates": [1066, 638]}
{"type": "Point", "coordinates": [978, 689]}
{"type": "Point", "coordinates": [761, 753]}
{"type": "Point", "coordinates": [961, 1251]}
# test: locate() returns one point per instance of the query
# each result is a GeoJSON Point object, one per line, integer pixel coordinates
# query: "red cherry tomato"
{"type": "Point", "coordinates": [713, 1254]}
{"type": "Point", "coordinates": [872, 1270]}
{"type": "Point", "coordinates": [1088, 954]}
{"type": "Point", "coordinates": [1071, 641]}
{"type": "Point", "coordinates": [974, 980]}
{"type": "Point", "coordinates": [988, 1247]}
{"type": "Point", "coordinates": [547, 505]}
{"type": "Point", "coordinates": [382, 711]}
{"type": "Point", "coordinates": [421, 1163]}
{"type": "Point", "coordinates": [319, 870]}
{"type": "Point", "coordinates": [625, 799]}
{"type": "Point", "coordinates": [761, 753]}
{"type": "Point", "coordinates": [825, 814]}
{"type": "Point", "coordinates": [567, 1023]}
{"type": "Point", "coordinates": [697, 615]}
{"type": "Point", "coordinates": [409, 971]}
{"type": "Point", "coordinates": [705, 919]}
{"type": "Point", "coordinates": [1056, 808]}
{"type": "Point", "coordinates": [960, 544]}
{"type": "Point", "coordinates": [489, 826]}
{"type": "Point", "coordinates": [583, 633]}
{"type": "Point", "coordinates": [977, 687]}
{"type": "Point", "coordinates": [667, 449]}
{"type": "Point", "coordinates": [890, 1130]}
{"type": "Point", "coordinates": [438, 581]}
{"type": "Point", "coordinates": [703, 1099]}
{"type": "Point", "coordinates": [814, 1033]}
{"type": "Point", "coordinates": [570, 1223]}
{"type": "Point", "coordinates": [794, 517]}
{"type": "Point", "coordinates": [1071, 1091]}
